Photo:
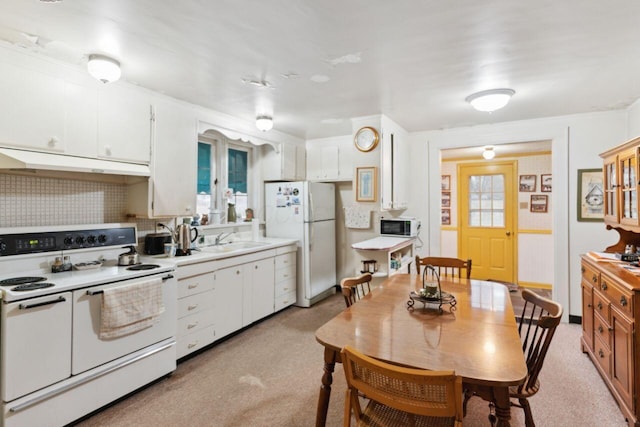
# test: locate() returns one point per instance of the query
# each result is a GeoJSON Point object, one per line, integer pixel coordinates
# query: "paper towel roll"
{"type": "Point", "coordinates": [255, 229]}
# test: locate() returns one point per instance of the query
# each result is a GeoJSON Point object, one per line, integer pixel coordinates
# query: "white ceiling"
{"type": "Point", "coordinates": [414, 61]}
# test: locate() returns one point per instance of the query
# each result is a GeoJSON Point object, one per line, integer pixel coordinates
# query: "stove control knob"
{"type": "Point", "coordinates": [80, 240]}
{"type": "Point", "coordinates": [68, 241]}
{"type": "Point", "coordinates": [3, 246]}
{"type": "Point", "coordinates": [102, 238]}
{"type": "Point", "coordinates": [91, 239]}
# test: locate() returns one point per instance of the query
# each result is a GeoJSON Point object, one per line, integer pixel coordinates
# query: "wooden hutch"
{"type": "Point", "coordinates": [611, 293]}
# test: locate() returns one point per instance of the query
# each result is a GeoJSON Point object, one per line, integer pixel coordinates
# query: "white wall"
{"type": "Point", "coordinates": [576, 142]}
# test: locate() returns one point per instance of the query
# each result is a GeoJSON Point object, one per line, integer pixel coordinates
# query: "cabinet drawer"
{"type": "Point", "coordinates": [601, 305]}
{"type": "Point", "coordinates": [590, 274]}
{"type": "Point", "coordinates": [285, 300]}
{"type": "Point", "coordinates": [602, 329]}
{"type": "Point", "coordinates": [196, 284]}
{"type": "Point", "coordinates": [618, 297]}
{"type": "Point", "coordinates": [194, 341]}
{"type": "Point", "coordinates": [285, 286]}
{"type": "Point", "coordinates": [194, 322]}
{"type": "Point", "coordinates": [283, 274]}
{"type": "Point", "coordinates": [285, 260]}
{"type": "Point", "coordinates": [603, 355]}
{"type": "Point", "coordinates": [194, 304]}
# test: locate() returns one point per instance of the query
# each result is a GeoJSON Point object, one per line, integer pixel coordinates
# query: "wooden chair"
{"type": "Point", "coordinates": [537, 324]}
{"type": "Point", "coordinates": [451, 267]}
{"type": "Point", "coordinates": [399, 396]}
{"type": "Point", "coordinates": [354, 288]}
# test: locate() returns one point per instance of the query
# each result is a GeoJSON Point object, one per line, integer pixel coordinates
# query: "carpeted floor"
{"type": "Point", "coordinates": [269, 375]}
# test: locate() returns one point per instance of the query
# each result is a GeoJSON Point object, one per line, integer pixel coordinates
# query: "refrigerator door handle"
{"type": "Point", "coordinates": [310, 206]}
{"type": "Point", "coordinates": [312, 234]}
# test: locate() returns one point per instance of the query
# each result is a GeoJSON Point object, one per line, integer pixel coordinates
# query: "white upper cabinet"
{"type": "Point", "coordinates": [288, 164]}
{"type": "Point", "coordinates": [394, 175]}
{"type": "Point", "coordinates": [81, 120]}
{"type": "Point", "coordinates": [171, 189]}
{"type": "Point", "coordinates": [33, 109]}
{"type": "Point", "coordinates": [124, 124]}
{"type": "Point", "coordinates": [330, 159]}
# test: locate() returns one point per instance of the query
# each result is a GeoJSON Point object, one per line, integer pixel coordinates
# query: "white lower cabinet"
{"type": "Point", "coordinates": [229, 303]}
{"type": "Point", "coordinates": [196, 302]}
{"type": "Point", "coordinates": [219, 297]}
{"type": "Point", "coordinates": [258, 293]}
{"type": "Point", "coordinates": [285, 279]}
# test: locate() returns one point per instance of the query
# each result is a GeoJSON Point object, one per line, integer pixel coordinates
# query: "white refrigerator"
{"type": "Point", "coordinates": [306, 211]}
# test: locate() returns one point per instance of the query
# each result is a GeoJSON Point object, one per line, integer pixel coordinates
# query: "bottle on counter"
{"type": "Point", "coordinates": [57, 265]}
{"type": "Point", "coordinates": [66, 264]}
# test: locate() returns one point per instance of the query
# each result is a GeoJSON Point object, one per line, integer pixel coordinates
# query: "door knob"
{"type": "Point", "coordinates": [508, 233]}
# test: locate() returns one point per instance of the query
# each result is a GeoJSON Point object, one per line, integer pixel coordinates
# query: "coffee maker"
{"type": "Point", "coordinates": [184, 237]}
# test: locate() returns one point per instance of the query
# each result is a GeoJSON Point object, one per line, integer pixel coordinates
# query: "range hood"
{"type": "Point", "coordinates": [22, 159]}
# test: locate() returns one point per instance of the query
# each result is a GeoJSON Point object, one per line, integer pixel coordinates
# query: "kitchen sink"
{"type": "Point", "coordinates": [234, 246]}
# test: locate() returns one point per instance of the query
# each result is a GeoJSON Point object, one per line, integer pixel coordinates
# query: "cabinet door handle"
{"type": "Point", "coordinates": [594, 279]}
{"type": "Point", "coordinates": [193, 325]}
{"type": "Point", "coordinates": [255, 266]}
{"type": "Point", "coordinates": [193, 286]}
{"type": "Point", "coordinates": [192, 307]}
{"type": "Point", "coordinates": [589, 305]}
{"type": "Point", "coordinates": [605, 286]}
{"type": "Point", "coordinates": [193, 344]}
{"type": "Point", "coordinates": [599, 305]}
{"type": "Point", "coordinates": [600, 329]}
{"type": "Point", "coordinates": [623, 301]}
{"type": "Point", "coordinates": [582, 270]}
{"type": "Point", "coordinates": [601, 353]}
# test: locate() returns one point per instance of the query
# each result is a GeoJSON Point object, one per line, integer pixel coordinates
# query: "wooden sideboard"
{"type": "Point", "coordinates": [610, 305]}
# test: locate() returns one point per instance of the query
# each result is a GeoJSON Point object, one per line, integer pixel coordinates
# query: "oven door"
{"type": "Point", "coordinates": [36, 344]}
{"type": "Point", "coordinates": [90, 351]}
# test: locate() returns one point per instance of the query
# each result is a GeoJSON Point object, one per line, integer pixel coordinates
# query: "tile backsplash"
{"type": "Point", "coordinates": [27, 201]}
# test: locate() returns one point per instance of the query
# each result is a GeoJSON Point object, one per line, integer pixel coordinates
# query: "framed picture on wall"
{"type": "Point", "coordinates": [590, 195]}
{"type": "Point", "coordinates": [446, 199]}
{"type": "Point", "coordinates": [366, 184]}
{"type": "Point", "coordinates": [445, 183]}
{"type": "Point", "coordinates": [539, 203]}
{"type": "Point", "coordinates": [545, 183]}
{"type": "Point", "coordinates": [527, 183]}
{"type": "Point", "coordinates": [446, 216]}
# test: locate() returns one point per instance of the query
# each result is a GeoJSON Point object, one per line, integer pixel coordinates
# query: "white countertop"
{"type": "Point", "coordinates": [383, 243]}
{"type": "Point", "coordinates": [210, 253]}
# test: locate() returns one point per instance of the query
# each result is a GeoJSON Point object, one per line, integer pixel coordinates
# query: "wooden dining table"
{"type": "Point", "coordinates": [477, 337]}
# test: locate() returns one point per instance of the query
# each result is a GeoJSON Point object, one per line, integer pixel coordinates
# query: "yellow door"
{"type": "Point", "coordinates": [487, 210]}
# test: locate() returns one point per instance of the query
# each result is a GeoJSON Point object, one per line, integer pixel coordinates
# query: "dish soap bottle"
{"type": "Point", "coordinates": [231, 213]}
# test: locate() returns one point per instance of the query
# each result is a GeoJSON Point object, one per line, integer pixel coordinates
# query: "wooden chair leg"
{"type": "Point", "coordinates": [528, 416]}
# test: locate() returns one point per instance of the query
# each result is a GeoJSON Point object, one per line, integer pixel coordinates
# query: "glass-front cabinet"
{"type": "Point", "coordinates": [627, 162]}
{"type": "Point", "coordinates": [611, 189]}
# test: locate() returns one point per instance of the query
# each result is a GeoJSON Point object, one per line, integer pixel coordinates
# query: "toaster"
{"type": "Point", "coordinates": [154, 243]}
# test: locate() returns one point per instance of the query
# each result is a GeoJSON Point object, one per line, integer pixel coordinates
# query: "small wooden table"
{"type": "Point", "coordinates": [479, 339]}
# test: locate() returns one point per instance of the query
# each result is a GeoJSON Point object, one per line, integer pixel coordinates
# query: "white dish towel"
{"type": "Point", "coordinates": [130, 308]}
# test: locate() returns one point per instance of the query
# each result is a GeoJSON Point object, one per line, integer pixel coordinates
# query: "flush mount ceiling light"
{"type": "Point", "coordinates": [104, 68]}
{"type": "Point", "coordinates": [490, 100]}
{"type": "Point", "coordinates": [488, 152]}
{"type": "Point", "coordinates": [264, 123]}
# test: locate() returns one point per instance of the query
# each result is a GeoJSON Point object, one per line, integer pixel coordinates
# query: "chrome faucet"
{"type": "Point", "coordinates": [221, 237]}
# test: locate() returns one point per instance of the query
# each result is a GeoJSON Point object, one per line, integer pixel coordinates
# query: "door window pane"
{"type": "Point", "coordinates": [486, 201]}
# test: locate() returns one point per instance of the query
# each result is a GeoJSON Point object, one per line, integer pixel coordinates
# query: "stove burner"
{"type": "Point", "coordinates": [32, 286]}
{"type": "Point", "coordinates": [20, 281]}
{"type": "Point", "coordinates": [143, 267]}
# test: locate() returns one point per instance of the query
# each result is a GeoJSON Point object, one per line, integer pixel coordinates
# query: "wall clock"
{"type": "Point", "coordinates": [366, 139]}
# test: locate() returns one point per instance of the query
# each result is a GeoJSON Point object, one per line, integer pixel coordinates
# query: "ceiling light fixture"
{"type": "Point", "coordinates": [490, 100]}
{"type": "Point", "coordinates": [488, 152]}
{"type": "Point", "coordinates": [104, 68]}
{"type": "Point", "coordinates": [264, 123]}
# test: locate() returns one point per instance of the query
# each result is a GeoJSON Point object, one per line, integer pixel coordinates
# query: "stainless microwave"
{"type": "Point", "coordinates": [399, 227]}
